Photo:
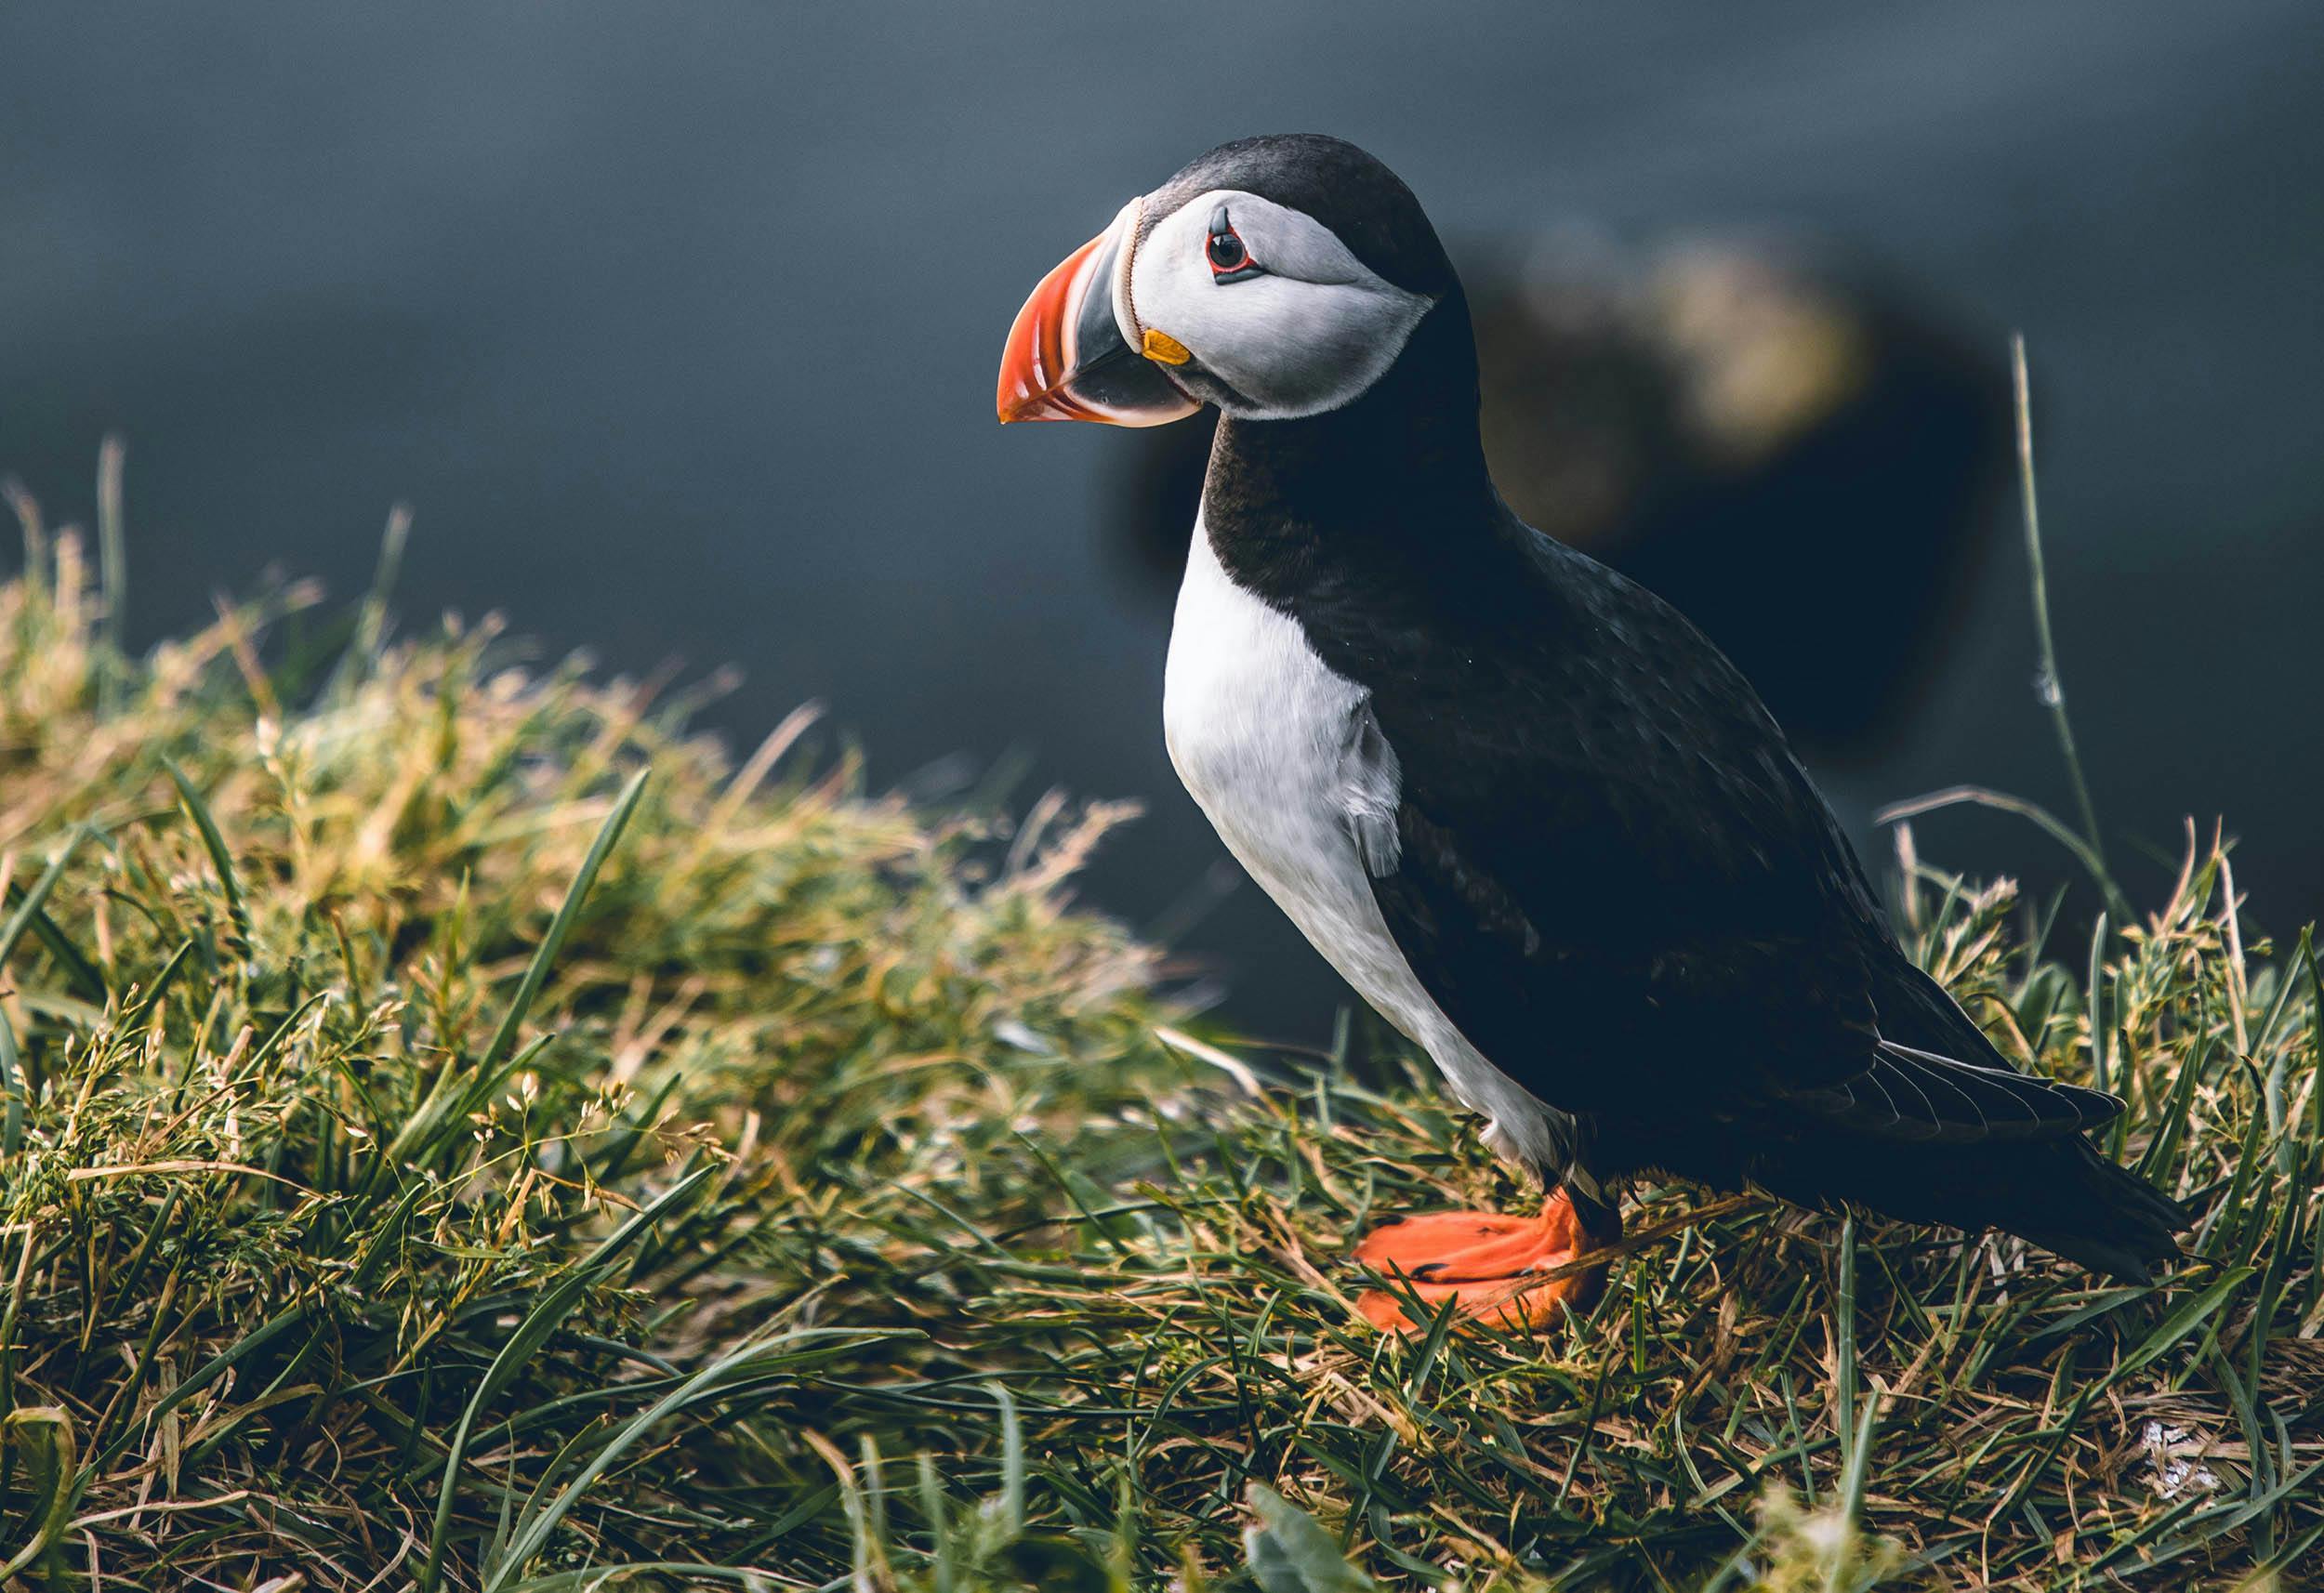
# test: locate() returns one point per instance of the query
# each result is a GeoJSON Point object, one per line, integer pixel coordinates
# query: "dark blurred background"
{"type": "Point", "coordinates": [678, 327]}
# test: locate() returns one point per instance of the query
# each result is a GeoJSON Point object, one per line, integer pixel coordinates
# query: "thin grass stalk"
{"type": "Point", "coordinates": [2049, 684]}
{"type": "Point", "coordinates": [112, 570]}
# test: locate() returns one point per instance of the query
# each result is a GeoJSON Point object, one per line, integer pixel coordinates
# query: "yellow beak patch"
{"type": "Point", "coordinates": [1163, 349]}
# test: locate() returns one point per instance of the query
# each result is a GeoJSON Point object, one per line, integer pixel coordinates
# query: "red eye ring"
{"type": "Point", "coordinates": [1229, 258]}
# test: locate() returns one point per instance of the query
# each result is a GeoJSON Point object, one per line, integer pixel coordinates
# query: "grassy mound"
{"type": "Point", "coordinates": [433, 1155]}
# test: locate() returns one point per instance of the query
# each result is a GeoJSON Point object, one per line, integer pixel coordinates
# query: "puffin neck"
{"type": "Point", "coordinates": [1388, 483]}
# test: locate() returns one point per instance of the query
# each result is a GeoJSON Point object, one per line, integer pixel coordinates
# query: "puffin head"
{"type": "Point", "coordinates": [1276, 278]}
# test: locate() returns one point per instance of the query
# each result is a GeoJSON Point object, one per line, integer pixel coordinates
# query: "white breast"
{"type": "Point", "coordinates": [1274, 745]}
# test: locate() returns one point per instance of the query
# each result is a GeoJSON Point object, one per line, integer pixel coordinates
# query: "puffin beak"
{"type": "Point", "coordinates": [1066, 357]}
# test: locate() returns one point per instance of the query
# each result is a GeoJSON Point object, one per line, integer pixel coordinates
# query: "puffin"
{"type": "Point", "coordinates": [1520, 803]}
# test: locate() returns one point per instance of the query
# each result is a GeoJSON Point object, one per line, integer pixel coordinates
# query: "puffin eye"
{"type": "Point", "coordinates": [1229, 260]}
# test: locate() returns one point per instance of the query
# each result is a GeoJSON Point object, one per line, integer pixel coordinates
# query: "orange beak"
{"type": "Point", "coordinates": [1066, 357]}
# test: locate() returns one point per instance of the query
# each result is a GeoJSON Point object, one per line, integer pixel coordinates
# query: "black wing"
{"type": "Point", "coordinates": [1609, 870]}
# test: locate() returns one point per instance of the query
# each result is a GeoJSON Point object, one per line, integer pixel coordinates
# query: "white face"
{"type": "Point", "coordinates": [1302, 328]}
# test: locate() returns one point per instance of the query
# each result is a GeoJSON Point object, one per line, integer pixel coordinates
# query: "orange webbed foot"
{"type": "Point", "coordinates": [1490, 1265]}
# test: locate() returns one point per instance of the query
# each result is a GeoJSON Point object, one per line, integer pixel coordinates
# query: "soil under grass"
{"type": "Point", "coordinates": [462, 1130]}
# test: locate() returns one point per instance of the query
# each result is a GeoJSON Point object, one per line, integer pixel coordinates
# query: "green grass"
{"type": "Point", "coordinates": [462, 1130]}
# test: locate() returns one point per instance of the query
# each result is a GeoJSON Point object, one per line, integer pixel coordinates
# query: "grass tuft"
{"type": "Point", "coordinates": [438, 1151]}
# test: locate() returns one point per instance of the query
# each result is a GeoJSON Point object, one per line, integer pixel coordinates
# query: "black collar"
{"type": "Point", "coordinates": [1360, 503]}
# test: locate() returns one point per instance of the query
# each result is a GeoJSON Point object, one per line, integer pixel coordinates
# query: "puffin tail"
{"type": "Point", "coordinates": [2070, 1199]}
{"type": "Point", "coordinates": [2059, 1193]}
{"type": "Point", "coordinates": [1996, 1148]}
